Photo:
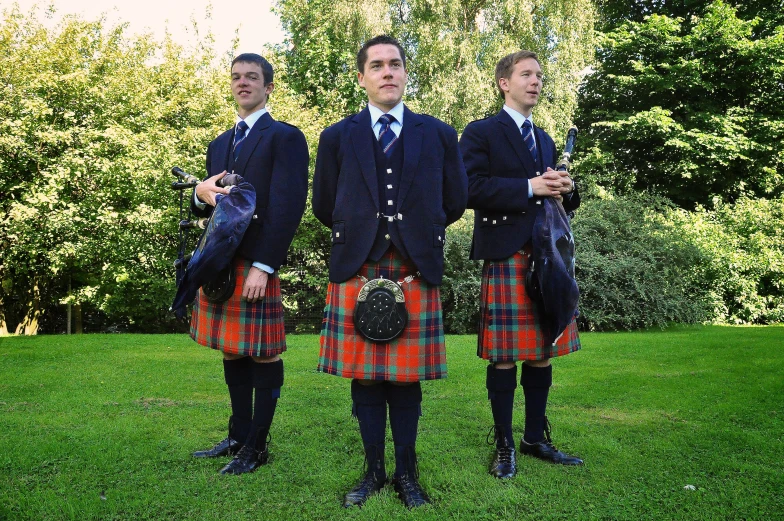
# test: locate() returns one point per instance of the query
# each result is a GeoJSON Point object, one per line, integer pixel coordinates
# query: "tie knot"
{"type": "Point", "coordinates": [526, 124]}
{"type": "Point", "coordinates": [242, 127]}
{"type": "Point", "coordinates": [387, 119]}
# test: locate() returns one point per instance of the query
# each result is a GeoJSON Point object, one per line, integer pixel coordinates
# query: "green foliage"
{"type": "Point", "coordinates": [743, 250]}
{"type": "Point", "coordinates": [690, 110]}
{"type": "Point", "coordinates": [91, 120]}
{"type": "Point", "coordinates": [452, 48]}
{"type": "Point", "coordinates": [460, 288]}
{"type": "Point", "coordinates": [103, 426]}
{"type": "Point", "coordinates": [642, 262]}
{"type": "Point", "coordinates": [634, 268]}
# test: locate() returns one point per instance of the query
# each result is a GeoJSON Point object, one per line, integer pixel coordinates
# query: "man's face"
{"type": "Point", "coordinates": [522, 88]}
{"type": "Point", "coordinates": [247, 86]}
{"type": "Point", "coordinates": [384, 77]}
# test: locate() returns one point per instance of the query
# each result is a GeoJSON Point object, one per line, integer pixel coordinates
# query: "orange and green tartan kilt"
{"type": "Point", "coordinates": [417, 354]}
{"type": "Point", "coordinates": [239, 327]}
{"type": "Point", "coordinates": [510, 327]}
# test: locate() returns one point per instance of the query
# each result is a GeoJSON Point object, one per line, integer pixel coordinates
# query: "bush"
{"type": "Point", "coordinates": [742, 245]}
{"type": "Point", "coordinates": [635, 268]}
{"type": "Point", "coordinates": [462, 279]}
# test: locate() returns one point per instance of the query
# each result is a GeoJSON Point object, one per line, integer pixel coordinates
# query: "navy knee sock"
{"type": "Point", "coordinates": [404, 411]}
{"type": "Point", "coordinates": [501, 385]}
{"type": "Point", "coordinates": [267, 381]}
{"type": "Point", "coordinates": [238, 374]}
{"type": "Point", "coordinates": [370, 410]}
{"type": "Point", "coordinates": [536, 382]}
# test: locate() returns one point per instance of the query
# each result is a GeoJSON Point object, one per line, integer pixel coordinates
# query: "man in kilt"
{"type": "Point", "coordinates": [248, 327]}
{"type": "Point", "coordinates": [509, 163]}
{"type": "Point", "coordinates": [388, 182]}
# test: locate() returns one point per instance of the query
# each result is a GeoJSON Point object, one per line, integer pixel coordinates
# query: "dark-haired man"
{"type": "Point", "coordinates": [510, 164]}
{"type": "Point", "coordinates": [388, 182]}
{"type": "Point", "coordinates": [248, 327]}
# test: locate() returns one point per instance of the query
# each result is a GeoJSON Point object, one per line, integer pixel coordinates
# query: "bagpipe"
{"type": "Point", "coordinates": [550, 279]}
{"type": "Point", "coordinates": [209, 265]}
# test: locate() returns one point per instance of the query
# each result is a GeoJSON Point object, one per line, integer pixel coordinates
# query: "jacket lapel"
{"type": "Point", "coordinates": [362, 142]}
{"type": "Point", "coordinates": [515, 138]}
{"type": "Point", "coordinates": [251, 142]}
{"type": "Point", "coordinates": [543, 146]}
{"type": "Point", "coordinates": [413, 135]}
{"type": "Point", "coordinates": [219, 161]}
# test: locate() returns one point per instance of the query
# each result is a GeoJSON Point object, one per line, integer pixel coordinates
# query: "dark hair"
{"type": "Point", "coordinates": [507, 63]}
{"type": "Point", "coordinates": [252, 57]}
{"type": "Point", "coordinates": [378, 40]}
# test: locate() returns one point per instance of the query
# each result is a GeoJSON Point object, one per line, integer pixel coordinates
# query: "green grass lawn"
{"type": "Point", "coordinates": [102, 427]}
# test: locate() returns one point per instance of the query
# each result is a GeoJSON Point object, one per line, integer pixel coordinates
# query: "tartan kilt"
{"type": "Point", "coordinates": [419, 353]}
{"type": "Point", "coordinates": [237, 326]}
{"type": "Point", "coordinates": [510, 327]}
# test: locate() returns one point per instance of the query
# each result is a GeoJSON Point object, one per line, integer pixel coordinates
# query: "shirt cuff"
{"type": "Point", "coordinates": [530, 189]}
{"type": "Point", "coordinates": [198, 202]}
{"type": "Point", "coordinates": [263, 267]}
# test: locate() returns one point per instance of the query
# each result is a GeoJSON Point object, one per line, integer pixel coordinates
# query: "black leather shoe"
{"type": "Point", "coordinates": [226, 447]}
{"type": "Point", "coordinates": [410, 491]}
{"type": "Point", "coordinates": [369, 485]}
{"type": "Point", "coordinates": [545, 450]}
{"type": "Point", "coordinates": [504, 465]}
{"type": "Point", "coordinates": [247, 460]}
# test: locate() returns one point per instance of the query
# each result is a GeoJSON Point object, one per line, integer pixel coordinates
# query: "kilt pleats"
{"type": "Point", "coordinates": [417, 354]}
{"type": "Point", "coordinates": [510, 327]}
{"type": "Point", "coordinates": [238, 326]}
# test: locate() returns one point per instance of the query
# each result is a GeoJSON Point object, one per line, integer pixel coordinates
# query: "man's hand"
{"type": "Point", "coordinates": [255, 284]}
{"type": "Point", "coordinates": [553, 183]}
{"type": "Point", "coordinates": [207, 189]}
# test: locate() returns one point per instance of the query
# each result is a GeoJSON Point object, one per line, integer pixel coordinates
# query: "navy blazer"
{"type": "Point", "coordinates": [431, 196]}
{"type": "Point", "coordinates": [499, 165]}
{"type": "Point", "coordinates": [274, 159]}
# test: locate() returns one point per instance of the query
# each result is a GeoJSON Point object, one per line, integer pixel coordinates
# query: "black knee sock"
{"type": "Point", "coordinates": [501, 385]}
{"type": "Point", "coordinates": [238, 374]}
{"type": "Point", "coordinates": [370, 410]}
{"type": "Point", "coordinates": [536, 382]}
{"type": "Point", "coordinates": [267, 381]}
{"type": "Point", "coordinates": [404, 411]}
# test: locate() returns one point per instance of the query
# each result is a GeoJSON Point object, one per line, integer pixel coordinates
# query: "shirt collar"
{"type": "Point", "coordinates": [518, 118]}
{"type": "Point", "coordinates": [375, 113]}
{"type": "Point", "coordinates": [253, 118]}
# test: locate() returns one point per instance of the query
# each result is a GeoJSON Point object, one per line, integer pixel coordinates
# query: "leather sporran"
{"type": "Point", "coordinates": [380, 314]}
{"type": "Point", "coordinates": [221, 288]}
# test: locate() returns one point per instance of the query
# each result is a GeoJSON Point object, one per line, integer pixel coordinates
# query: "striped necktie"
{"type": "Point", "coordinates": [528, 137]}
{"type": "Point", "coordinates": [239, 137]}
{"type": "Point", "coordinates": [387, 136]}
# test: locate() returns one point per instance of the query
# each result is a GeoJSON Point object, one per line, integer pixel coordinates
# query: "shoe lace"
{"type": "Point", "coordinates": [492, 436]}
{"type": "Point", "coordinates": [411, 463]}
{"type": "Point", "coordinates": [368, 472]}
{"type": "Point", "coordinates": [246, 452]}
{"type": "Point", "coordinates": [547, 439]}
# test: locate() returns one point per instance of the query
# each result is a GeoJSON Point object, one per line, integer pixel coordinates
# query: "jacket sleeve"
{"type": "Point", "coordinates": [325, 178]}
{"type": "Point", "coordinates": [287, 197]}
{"type": "Point", "coordinates": [455, 195]}
{"type": "Point", "coordinates": [487, 191]}
{"type": "Point", "coordinates": [207, 210]}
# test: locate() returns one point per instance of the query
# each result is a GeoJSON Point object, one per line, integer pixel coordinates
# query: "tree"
{"type": "Point", "coordinates": [91, 120]}
{"type": "Point", "coordinates": [691, 111]}
{"type": "Point", "coordinates": [452, 48]}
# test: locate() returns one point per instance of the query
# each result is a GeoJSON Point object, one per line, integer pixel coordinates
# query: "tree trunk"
{"type": "Point", "coordinates": [29, 325]}
{"type": "Point", "coordinates": [3, 324]}
{"type": "Point", "coordinates": [77, 309]}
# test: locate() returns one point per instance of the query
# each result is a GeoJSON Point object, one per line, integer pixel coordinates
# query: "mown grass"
{"type": "Point", "coordinates": [89, 417]}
